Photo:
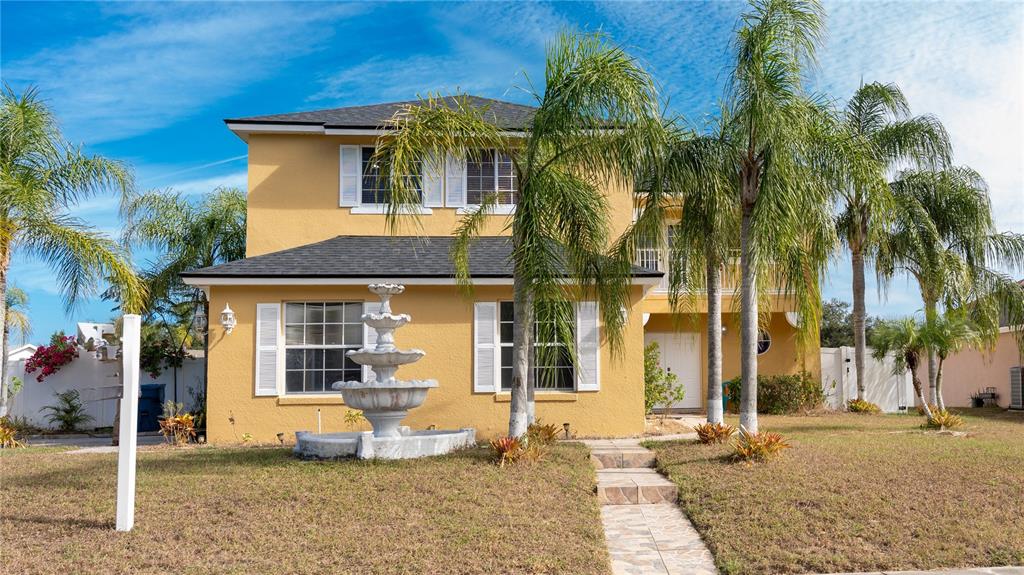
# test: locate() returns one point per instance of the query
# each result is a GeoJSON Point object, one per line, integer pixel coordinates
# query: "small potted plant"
{"type": "Point", "coordinates": [977, 399]}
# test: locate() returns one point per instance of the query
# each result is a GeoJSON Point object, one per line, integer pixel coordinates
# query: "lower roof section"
{"type": "Point", "coordinates": [350, 260]}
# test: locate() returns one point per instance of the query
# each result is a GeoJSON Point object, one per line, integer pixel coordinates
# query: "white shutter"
{"type": "Point", "coordinates": [588, 347]}
{"type": "Point", "coordinates": [433, 182]}
{"type": "Point", "coordinates": [369, 337]}
{"type": "Point", "coordinates": [485, 347]}
{"type": "Point", "coordinates": [455, 192]}
{"type": "Point", "coordinates": [268, 335]}
{"type": "Point", "coordinates": [349, 160]}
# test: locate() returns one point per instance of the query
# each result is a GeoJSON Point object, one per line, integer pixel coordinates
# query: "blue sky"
{"type": "Point", "coordinates": [149, 83]}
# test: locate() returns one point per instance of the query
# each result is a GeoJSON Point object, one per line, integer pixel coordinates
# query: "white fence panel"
{"type": "Point", "coordinates": [892, 393]}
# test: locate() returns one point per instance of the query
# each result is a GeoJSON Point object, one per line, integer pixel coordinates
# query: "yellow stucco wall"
{"type": "Point", "coordinates": [293, 197]}
{"type": "Point", "coordinates": [442, 326]}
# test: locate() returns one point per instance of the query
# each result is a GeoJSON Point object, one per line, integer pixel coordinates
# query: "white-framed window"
{"type": "Point", "coordinates": [490, 172]}
{"type": "Point", "coordinates": [316, 337]}
{"type": "Point", "coordinates": [374, 188]}
{"type": "Point", "coordinates": [553, 366]}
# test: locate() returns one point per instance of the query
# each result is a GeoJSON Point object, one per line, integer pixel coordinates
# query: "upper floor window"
{"type": "Point", "coordinates": [490, 172]}
{"type": "Point", "coordinates": [375, 187]}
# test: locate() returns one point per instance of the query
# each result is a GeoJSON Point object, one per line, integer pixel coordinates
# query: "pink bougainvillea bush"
{"type": "Point", "coordinates": [48, 359]}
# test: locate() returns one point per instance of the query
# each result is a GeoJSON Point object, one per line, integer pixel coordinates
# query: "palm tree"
{"type": "Point", "coordinates": [596, 119]}
{"type": "Point", "coordinates": [17, 320]}
{"type": "Point", "coordinates": [903, 339]}
{"type": "Point", "coordinates": [42, 178]}
{"type": "Point", "coordinates": [778, 140]}
{"type": "Point", "coordinates": [943, 235]}
{"type": "Point", "coordinates": [945, 334]}
{"type": "Point", "coordinates": [877, 124]}
{"type": "Point", "coordinates": [188, 235]}
{"type": "Point", "coordinates": [698, 175]}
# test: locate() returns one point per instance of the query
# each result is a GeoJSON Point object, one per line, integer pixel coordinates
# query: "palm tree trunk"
{"type": "Point", "coordinates": [748, 323]}
{"type": "Point", "coordinates": [714, 286]}
{"type": "Point", "coordinates": [859, 343]}
{"type": "Point", "coordinates": [531, 375]}
{"type": "Point", "coordinates": [518, 417]}
{"type": "Point", "coordinates": [933, 365]}
{"type": "Point", "coordinates": [5, 262]}
{"type": "Point", "coordinates": [5, 342]}
{"type": "Point", "coordinates": [938, 386]}
{"type": "Point", "coordinates": [920, 393]}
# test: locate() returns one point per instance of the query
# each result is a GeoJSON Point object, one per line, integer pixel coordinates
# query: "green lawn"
{"type": "Point", "coordinates": [860, 493]}
{"type": "Point", "coordinates": [212, 510]}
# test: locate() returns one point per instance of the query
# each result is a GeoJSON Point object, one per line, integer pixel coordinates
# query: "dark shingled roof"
{"type": "Point", "coordinates": [503, 114]}
{"type": "Point", "coordinates": [377, 257]}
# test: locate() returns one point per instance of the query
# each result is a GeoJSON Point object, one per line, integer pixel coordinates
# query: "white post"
{"type": "Point", "coordinates": [130, 343]}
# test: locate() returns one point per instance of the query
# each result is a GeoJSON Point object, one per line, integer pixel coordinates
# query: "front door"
{"type": "Point", "coordinates": [680, 354]}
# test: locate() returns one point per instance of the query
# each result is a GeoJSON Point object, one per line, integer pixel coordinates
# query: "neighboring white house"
{"type": "Point", "coordinates": [892, 393]}
{"type": "Point", "coordinates": [21, 352]}
{"type": "Point", "coordinates": [94, 331]}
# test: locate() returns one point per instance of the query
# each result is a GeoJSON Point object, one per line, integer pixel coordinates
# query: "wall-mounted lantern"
{"type": "Point", "coordinates": [227, 319]}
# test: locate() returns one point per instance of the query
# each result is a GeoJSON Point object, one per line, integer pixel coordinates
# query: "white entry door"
{"type": "Point", "coordinates": [680, 354]}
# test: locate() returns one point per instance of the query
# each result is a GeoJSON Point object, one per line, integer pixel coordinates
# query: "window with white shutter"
{"type": "Point", "coordinates": [369, 337]}
{"type": "Point", "coordinates": [433, 182]}
{"type": "Point", "coordinates": [588, 347]}
{"type": "Point", "coordinates": [268, 335]}
{"type": "Point", "coordinates": [455, 177]}
{"type": "Point", "coordinates": [485, 348]}
{"type": "Point", "coordinates": [348, 190]}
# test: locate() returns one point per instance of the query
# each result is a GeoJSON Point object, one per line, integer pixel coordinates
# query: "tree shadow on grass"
{"type": "Point", "coordinates": [61, 521]}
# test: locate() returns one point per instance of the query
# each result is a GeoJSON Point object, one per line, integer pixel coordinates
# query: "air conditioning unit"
{"type": "Point", "coordinates": [1016, 388]}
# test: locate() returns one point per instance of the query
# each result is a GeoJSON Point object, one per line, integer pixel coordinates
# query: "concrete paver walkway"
{"type": "Point", "coordinates": [647, 533]}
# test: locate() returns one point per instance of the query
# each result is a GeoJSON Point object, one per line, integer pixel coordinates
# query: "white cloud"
{"type": "Point", "coordinates": [161, 63]}
{"type": "Point", "coordinates": [490, 63]}
{"type": "Point", "coordinates": [201, 186]}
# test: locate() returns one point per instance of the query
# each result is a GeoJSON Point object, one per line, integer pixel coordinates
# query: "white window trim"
{"type": "Point", "coordinates": [383, 209]}
{"type": "Point", "coordinates": [283, 347]}
{"type": "Point", "coordinates": [499, 209]}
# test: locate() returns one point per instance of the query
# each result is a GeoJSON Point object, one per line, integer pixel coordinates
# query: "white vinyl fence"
{"type": "Point", "coordinates": [892, 393]}
{"type": "Point", "coordinates": [89, 375]}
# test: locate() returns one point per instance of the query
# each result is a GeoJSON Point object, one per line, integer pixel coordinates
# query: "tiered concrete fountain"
{"type": "Point", "coordinates": [384, 400]}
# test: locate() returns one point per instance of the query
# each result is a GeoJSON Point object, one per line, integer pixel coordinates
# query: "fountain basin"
{"type": "Point", "coordinates": [364, 445]}
{"type": "Point", "coordinates": [377, 358]}
{"type": "Point", "coordinates": [384, 404]}
{"type": "Point", "coordinates": [386, 321]}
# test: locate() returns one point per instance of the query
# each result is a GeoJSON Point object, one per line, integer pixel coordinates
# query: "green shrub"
{"type": "Point", "coordinates": [69, 413]}
{"type": "Point", "coordinates": [780, 394]}
{"type": "Point", "coordinates": [660, 387]}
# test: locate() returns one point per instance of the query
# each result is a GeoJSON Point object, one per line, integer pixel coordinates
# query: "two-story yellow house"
{"type": "Point", "coordinates": [317, 237]}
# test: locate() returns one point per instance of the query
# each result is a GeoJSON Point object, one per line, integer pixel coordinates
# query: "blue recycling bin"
{"type": "Point", "coordinates": [151, 405]}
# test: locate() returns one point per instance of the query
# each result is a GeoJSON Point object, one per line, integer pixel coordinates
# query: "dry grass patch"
{"type": "Point", "coordinates": [218, 510]}
{"type": "Point", "coordinates": [860, 494]}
